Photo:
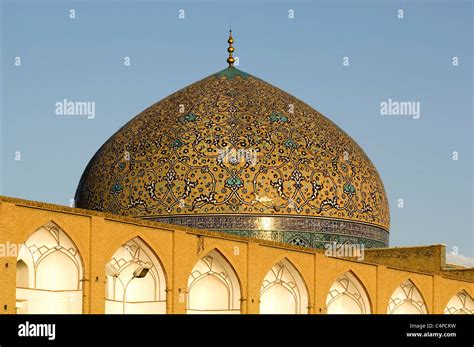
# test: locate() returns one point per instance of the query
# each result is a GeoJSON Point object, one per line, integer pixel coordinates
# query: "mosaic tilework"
{"type": "Point", "coordinates": [309, 232]}
{"type": "Point", "coordinates": [234, 144]}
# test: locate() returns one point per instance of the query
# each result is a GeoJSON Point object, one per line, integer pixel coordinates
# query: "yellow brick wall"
{"type": "Point", "coordinates": [97, 237]}
{"type": "Point", "coordinates": [428, 258]}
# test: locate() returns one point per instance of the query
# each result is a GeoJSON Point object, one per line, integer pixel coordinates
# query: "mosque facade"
{"type": "Point", "coordinates": [224, 197]}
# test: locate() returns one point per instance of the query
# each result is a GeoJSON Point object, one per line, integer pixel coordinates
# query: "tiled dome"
{"type": "Point", "coordinates": [236, 154]}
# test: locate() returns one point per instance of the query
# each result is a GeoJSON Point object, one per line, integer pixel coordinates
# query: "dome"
{"type": "Point", "coordinates": [235, 154]}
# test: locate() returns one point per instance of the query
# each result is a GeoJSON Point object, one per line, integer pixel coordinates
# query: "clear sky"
{"type": "Point", "coordinates": [408, 59]}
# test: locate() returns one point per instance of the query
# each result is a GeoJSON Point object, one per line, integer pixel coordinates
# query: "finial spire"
{"type": "Point", "coordinates": [230, 49]}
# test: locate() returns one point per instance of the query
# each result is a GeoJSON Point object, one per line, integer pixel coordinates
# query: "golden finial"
{"type": "Point", "coordinates": [231, 59]}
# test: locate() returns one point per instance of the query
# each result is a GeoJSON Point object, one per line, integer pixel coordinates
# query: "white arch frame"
{"type": "Point", "coordinates": [285, 274]}
{"type": "Point", "coordinates": [43, 296]}
{"type": "Point", "coordinates": [407, 292]}
{"type": "Point", "coordinates": [214, 264]}
{"type": "Point", "coordinates": [349, 286]}
{"type": "Point", "coordinates": [461, 303]}
{"type": "Point", "coordinates": [132, 255]}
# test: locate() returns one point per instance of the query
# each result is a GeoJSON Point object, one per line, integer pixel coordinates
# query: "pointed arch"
{"type": "Point", "coordinates": [348, 295]}
{"type": "Point", "coordinates": [49, 273]}
{"type": "Point", "coordinates": [461, 303]}
{"type": "Point", "coordinates": [22, 274]}
{"type": "Point", "coordinates": [136, 280]}
{"type": "Point", "coordinates": [213, 286]}
{"type": "Point", "coordinates": [283, 290]}
{"type": "Point", "coordinates": [407, 299]}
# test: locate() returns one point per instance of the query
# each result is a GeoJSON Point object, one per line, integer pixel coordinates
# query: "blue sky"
{"type": "Point", "coordinates": [406, 59]}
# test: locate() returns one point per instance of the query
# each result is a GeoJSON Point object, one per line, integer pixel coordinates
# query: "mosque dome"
{"type": "Point", "coordinates": [233, 153]}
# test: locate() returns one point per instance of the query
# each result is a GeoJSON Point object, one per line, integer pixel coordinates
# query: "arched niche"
{"type": "Point", "coordinates": [406, 299]}
{"type": "Point", "coordinates": [22, 274]}
{"type": "Point", "coordinates": [347, 295]}
{"type": "Point", "coordinates": [136, 280]}
{"type": "Point", "coordinates": [461, 303]}
{"type": "Point", "coordinates": [49, 273]}
{"type": "Point", "coordinates": [213, 286]}
{"type": "Point", "coordinates": [283, 291]}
